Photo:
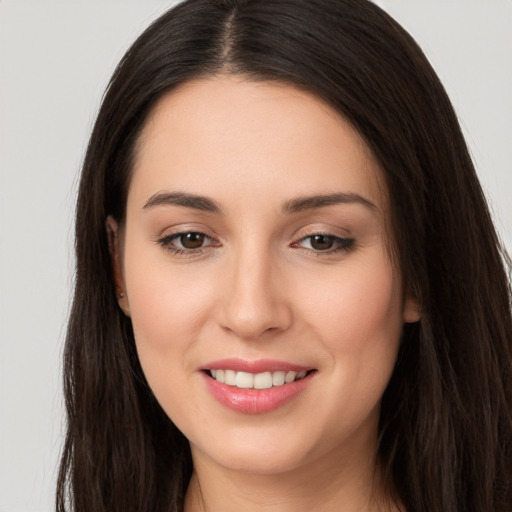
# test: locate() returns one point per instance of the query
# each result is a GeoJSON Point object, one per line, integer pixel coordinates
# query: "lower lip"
{"type": "Point", "coordinates": [256, 401]}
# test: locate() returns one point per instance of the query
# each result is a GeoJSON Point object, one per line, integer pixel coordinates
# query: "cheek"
{"type": "Point", "coordinates": [357, 316]}
{"type": "Point", "coordinates": [167, 309]}
{"type": "Point", "coordinates": [358, 307]}
{"type": "Point", "coordinates": [167, 305]}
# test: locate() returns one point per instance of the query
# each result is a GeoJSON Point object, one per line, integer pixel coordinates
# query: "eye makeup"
{"type": "Point", "coordinates": [192, 242]}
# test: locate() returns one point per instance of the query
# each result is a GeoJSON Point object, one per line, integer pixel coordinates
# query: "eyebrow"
{"type": "Point", "coordinates": [300, 204]}
{"type": "Point", "coordinates": [320, 201]}
{"type": "Point", "coordinates": [182, 199]}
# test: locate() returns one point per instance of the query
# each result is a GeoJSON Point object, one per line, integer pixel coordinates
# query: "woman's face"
{"type": "Point", "coordinates": [267, 313]}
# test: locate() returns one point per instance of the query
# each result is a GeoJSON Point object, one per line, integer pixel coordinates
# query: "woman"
{"type": "Point", "coordinates": [289, 291]}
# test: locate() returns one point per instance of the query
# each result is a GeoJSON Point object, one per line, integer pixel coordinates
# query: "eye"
{"type": "Point", "coordinates": [187, 242]}
{"type": "Point", "coordinates": [324, 243]}
{"type": "Point", "coordinates": [320, 242]}
{"type": "Point", "coordinates": [190, 240]}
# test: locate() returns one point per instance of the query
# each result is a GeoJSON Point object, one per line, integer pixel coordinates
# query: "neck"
{"type": "Point", "coordinates": [322, 485]}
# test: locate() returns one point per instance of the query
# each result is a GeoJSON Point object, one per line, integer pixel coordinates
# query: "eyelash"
{"type": "Point", "coordinates": [340, 244]}
{"type": "Point", "coordinates": [167, 243]}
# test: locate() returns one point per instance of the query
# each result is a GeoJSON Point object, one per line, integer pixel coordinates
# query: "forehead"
{"type": "Point", "coordinates": [231, 138]}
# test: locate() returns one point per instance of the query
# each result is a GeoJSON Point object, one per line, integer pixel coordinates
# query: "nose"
{"type": "Point", "coordinates": [254, 303]}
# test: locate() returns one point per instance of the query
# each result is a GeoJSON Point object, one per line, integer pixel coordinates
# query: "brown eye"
{"type": "Point", "coordinates": [327, 244]}
{"type": "Point", "coordinates": [321, 242]}
{"type": "Point", "coordinates": [187, 243]}
{"type": "Point", "coordinates": [192, 240]}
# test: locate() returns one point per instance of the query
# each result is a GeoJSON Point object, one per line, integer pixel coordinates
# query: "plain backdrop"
{"type": "Point", "coordinates": [55, 59]}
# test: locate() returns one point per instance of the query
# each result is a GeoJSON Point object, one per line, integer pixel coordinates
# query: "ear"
{"type": "Point", "coordinates": [114, 247]}
{"type": "Point", "coordinates": [412, 309]}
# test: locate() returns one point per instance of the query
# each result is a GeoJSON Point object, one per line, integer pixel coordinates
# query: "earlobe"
{"type": "Point", "coordinates": [412, 309]}
{"type": "Point", "coordinates": [114, 247]}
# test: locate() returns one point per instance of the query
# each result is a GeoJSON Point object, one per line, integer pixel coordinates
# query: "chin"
{"type": "Point", "coordinates": [257, 452]}
{"type": "Point", "coordinates": [262, 462]}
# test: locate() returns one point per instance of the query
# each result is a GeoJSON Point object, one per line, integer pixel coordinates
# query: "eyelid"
{"type": "Point", "coordinates": [321, 228]}
{"type": "Point", "coordinates": [342, 243]}
{"type": "Point", "coordinates": [338, 239]}
{"type": "Point", "coordinates": [326, 230]}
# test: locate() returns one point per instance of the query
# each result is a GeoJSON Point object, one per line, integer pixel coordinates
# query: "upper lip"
{"type": "Point", "coordinates": [258, 366]}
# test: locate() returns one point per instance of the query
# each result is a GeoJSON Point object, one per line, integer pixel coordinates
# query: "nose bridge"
{"type": "Point", "coordinates": [253, 303]}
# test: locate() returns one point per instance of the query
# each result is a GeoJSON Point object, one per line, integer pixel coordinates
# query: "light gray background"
{"type": "Point", "coordinates": [55, 60]}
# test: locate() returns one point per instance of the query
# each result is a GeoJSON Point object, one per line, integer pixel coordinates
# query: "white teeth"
{"type": "Point", "coordinates": [244, 380]}
{"type": "Point", "coordinates": [265, 380]}
{"type": "Point", "coordinates": [290, 377]}
{"type": "Point", "coordinates": [230, 377]}
{"type": "Point", "coordinates": [278, 378]}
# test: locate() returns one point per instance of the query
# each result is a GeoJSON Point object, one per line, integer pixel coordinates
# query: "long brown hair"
{"type": "Point", "coordinates": [446, 418]}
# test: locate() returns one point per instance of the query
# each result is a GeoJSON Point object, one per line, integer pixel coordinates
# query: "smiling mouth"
{"type": "Point", "coordinates": [264, 380]}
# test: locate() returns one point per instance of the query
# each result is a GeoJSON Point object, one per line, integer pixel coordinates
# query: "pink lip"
{"type": "Point", "coordinates": [259, 366]}
{"type": "Point", "coordinates": [254, 401]}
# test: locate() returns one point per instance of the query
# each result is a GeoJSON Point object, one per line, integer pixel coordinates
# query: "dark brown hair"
{"type": "Point", "coordinates": [446, 418]}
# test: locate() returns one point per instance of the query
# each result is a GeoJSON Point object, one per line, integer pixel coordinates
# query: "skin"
{"type": "Point", "coordinates": [258, 288]}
